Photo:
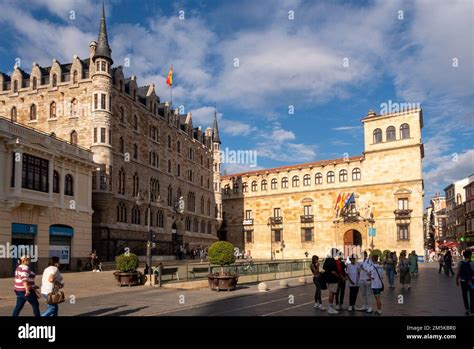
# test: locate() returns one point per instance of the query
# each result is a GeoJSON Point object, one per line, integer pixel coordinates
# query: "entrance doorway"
{"type": "Point", "coordinates": [352, 243]}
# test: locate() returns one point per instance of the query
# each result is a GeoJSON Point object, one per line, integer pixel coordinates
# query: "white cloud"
{"type": "Point", "coordinates": [281, 135]}
{"type": "Point", "coordinates": [205, 116]}
{"type": "Point", "coordinates": [346, 128]}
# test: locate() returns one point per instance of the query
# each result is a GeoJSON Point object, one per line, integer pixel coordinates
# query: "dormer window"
{"type": "Point", "coordinates": [35, 83]}
{"type": "Point", "coordinates": [55, 80]}
{"type": "Point", "coordinates": [15, 86]}
{"type": "Point", "coordinates": [74, 77]}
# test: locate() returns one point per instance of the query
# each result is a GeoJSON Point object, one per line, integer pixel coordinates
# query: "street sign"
{"type": "Point", "coordinates": [372, 232]}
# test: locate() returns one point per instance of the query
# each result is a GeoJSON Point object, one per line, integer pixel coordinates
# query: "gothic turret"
{"type": "Point", "coordinates": [215, 130]}
{"type": "Point", "coordinates": [103, 49]}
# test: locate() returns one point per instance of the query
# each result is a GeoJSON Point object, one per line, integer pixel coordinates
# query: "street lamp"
{"type": "Point", "coordinates": [139, 200]}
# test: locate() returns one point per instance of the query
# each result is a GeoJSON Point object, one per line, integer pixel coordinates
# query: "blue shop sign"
{"type": "Point", "coordinates": [57, 230]}
{"type": "Point", "coordinates": [19, 228]}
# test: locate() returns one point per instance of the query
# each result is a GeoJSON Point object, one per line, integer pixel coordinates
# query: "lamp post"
{"type": "Point", "coordinates": [140, 201]}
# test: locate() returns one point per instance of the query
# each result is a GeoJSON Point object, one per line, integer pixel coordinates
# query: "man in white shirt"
{"type": "Point", "coordinates": [352, 272]}
{"type": "Point", "coordinates": [365, 284]}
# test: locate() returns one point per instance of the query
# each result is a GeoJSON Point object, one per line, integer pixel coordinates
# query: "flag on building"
{"type": "Point", "coordinates": [169, 79]}
{"type": "Point", "coordinates": [337, 201]}
{"type": "Point", "coordinates": [349, 199]}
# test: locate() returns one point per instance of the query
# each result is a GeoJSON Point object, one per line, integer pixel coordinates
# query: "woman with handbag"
{"type": "Point", "coordinates": [51, 283]}
{"type": "Point", "coordinates": [25, 288]}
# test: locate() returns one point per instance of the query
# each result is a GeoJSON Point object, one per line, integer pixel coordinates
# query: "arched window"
{"type": "Point", "coordinates": [263, 185]}
{"type": "Point", "coordinates": [377, 136]}
{"type": "Point", "coordinates": [170, 195]}
{"type": "Point", "coordinates": [244, 187]}
{"type": "Point", "coordinates": [227, 189]}
{"type": "Point", "coordinates": [136, 184]}
{"type": "Point", "coordinates": [135, 151]}
{"type": "Point", "coordinates": [209, 228]}
{"type": "Point", "coordinates": [74, 77]}
{"type": "Point", "coordinates": [160, 219]}
{"type": "Point", "coordinates": [135, 215]}
{"type": "Point", "coordinates": [318, 178]}
{"type": "Point", "coordinates": [33, 112]}
{"type": "Point", "coordinates": [55, 182]}
{"type": "Point", "coordinates": [391, 136]}
{"type": "Point", "coordinates": [122, 115]}
{"type": "Point", "coordinates": [135, 122]}
{"type": "Point", "coordinates": [13, 115]}
{"type": "Point", "coordinates": [68, 185]}
{"type": "Point", "coordinates": [404, 131]}
{"type": "Point", "coordinates": [295, 181]}
{"type": "Point", "coordinates": [15, 86]}
{"type": "Point", "coordinates": [35, 83]}
{"type": "Point", "coordinates": [55, 80]}
{"type": "Point", "coordinates": [52, 110]}
{"type": "Point", "coordinates": [356, 174]}
{"type": "Point", "coordinates": [208, 207]}
{"type": "Point", "coordinates": [195, 225]}
{"type": "Point", "coordinates": [121, 213]}
{"type": "Point", "coordinates": [342, 176]}
{"type": "Point", "coordinates": [74, 107]}
{"type": "Point", "coordinates": [121, 189]}
{"type": "Point", "coordinates": [203, 227]}
{"type": "Point", "coordinates": [284, 182]}
{"type": "Point", "coordinates": [169, 141]}
{"type": "Point", "coordinates": [254, 186]}
{"type": "Point", "coordinates": [306, 180]}
{"type": "Point", "coordinates": [274, 183]}
{"type": "Point", "coordinates": [330, 177]}
{"type": "Point", "coordinates": [202, 205]}
{"type": "Point", "coordinates": [188, 224]}
{"type": "Point", "coordinates": [73, 137]}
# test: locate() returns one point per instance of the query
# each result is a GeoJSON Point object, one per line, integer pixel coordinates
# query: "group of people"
{"type": "Point", "coordinates": [184, 252]}
{"type": "Point", "coordinates": [27, 291]}
{"type": "Point", "coordinates": [446, 262]}
{"type": "Point", "coordinates": [365, 276]}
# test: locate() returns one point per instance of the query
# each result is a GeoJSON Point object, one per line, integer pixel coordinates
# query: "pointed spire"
{"type": "Point", "coordinates": [103, 49]}
{"type": "Point", "coordinates": [215, 129]}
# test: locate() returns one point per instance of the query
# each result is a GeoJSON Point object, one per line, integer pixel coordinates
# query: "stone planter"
{"type": "Point", "coordinates": [127, 279]}
{"type": "Point", "coordinates": [219, 282]}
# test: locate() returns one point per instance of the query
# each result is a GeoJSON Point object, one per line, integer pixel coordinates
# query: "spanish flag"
{"type": "Point", "coordinates": [169, 80]}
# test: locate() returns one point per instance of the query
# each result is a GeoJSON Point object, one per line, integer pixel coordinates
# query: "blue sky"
{"type": "Point", "coordinates": [400, 56]}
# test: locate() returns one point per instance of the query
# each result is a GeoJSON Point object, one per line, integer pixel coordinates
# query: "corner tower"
{"type": "Point", "coordinates": [216, 155]}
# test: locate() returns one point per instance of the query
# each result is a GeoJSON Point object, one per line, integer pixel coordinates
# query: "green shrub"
{"type": "Point", "coordinates": [376, 252]}
{"type": "Point", "coordinates": [385, 252]}
{"type": "Point", "coordinates": [127, 262]}
{"type": "Point", "coordinates": [221, 253]}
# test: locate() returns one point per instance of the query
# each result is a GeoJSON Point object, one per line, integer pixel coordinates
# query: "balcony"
{"type": "Point", "coordinates": [276, 220]}
{"type": "Point", "coordinates": [402, 214]}
{"type": "Point", "coordinates": [308, 218]}
{"type": "Point", "coordinates": [248, 221]}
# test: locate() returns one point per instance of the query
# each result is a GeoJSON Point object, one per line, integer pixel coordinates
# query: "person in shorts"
{"type": "Point", "coordinates": [376, 276]}
{"type": "Point", "coordinates": [332, 281]}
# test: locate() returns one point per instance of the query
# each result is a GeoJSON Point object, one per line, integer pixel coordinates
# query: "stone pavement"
{"type": "Point", "coordinates": [96, 294]}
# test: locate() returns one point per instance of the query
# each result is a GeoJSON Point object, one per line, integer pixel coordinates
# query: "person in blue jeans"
{"type": "Point", "coordinates": [52, 278]}
{"type": "Point", "coordinates": [25, 287]}
{"type": "Point", "coordinates": [390, 264]}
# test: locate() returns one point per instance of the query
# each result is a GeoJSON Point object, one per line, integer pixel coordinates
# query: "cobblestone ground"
{"type": "Point", "coordinates": [96, 294]}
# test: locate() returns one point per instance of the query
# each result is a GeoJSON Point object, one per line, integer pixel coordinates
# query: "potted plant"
{"type": "Point", "coordinates": [127, 274]}
{"type": "Point", "coordinates": [222, 253]}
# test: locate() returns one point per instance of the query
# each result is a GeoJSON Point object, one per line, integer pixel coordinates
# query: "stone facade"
{"type": "Point", "coordinates": [469, 213]}
{"type": "Point", "coordinates": [52, 216]}
{"type": "Point", "coordinates": [141, 146]}
{"type": "Point", "coordinates": [270, 219]}
{"type": "Point", "coordinates": [455, 197]}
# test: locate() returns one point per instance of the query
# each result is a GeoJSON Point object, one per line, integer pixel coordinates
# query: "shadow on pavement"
{"type": "Point", "coordinates": [100, 311]}
{"type": "Point", "coordinates": [126, 312]}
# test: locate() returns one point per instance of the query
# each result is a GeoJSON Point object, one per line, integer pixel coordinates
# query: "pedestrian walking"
{"type": "Point", "coordinates": [441, 262]}
{"type": "Point", "coordinates": [365, 284]}
{"type": "Point", "coordinates": [390, 265]}
{"type": "Point", "coordinates": [25, 288]}
{"type": "Point", "coordinates": [332, 279]}
{"type": "Point", "coordinates": [52, 279]}
{"type": "Point", "coordinates": [353, 277]}
{"type": "Point", "coordinates": [448, 263]}
{"type": "Point", "coordinates": [413, 263]}
{"type": "Point", "coordinates": [376, 276]}
{"type": "Point", "coordinates": [341, 284]}
{"type": "Point", "coordinates": [465, 279]}
{"type": "Point", "coordinates": [404, 270]}
{"type": "Point", "coordinates": [318, 303]}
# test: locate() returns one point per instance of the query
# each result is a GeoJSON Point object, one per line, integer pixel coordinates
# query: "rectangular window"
{"type": "Point", "coordinates": [96, 103]}
{"type": "Point", "coordinates": [403, 232]}
{"type": "Point", "coordinates": [102, 135]}
{"type": "Point", "coordinates": [249, 236]}
{"type": "Point", "coordinates": [307, 234]}
{"type": "Point", "coordinates": [35, 173]}
{"type": "Point", "coordinates": [95, 135]}
{"type": "Point", "coordinates": [277, 235]}
{"type": "Point", "coordinates": [102, 101]}
{"type": "Point", "coordinates": [308, 210]}
{"type": "Point", "coordinates": [276, 212]}
{"type": "Point", "coordinates": [248, 214]}
{"type": "Point", "coordinates": [403, 204]}
{"type": "Point", "coordinates": [110, 103]}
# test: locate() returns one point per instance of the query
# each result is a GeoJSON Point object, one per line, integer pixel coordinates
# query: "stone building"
{"type": "Point", "coordinates": [468, 236]}
{"type": "Point", "coordinates": [142, 146]}
{"type": "Point", "coordinates": [290, 211]}
{"type": "Point", "coordinates": [438, 219]}
{"type": "Point", "coordinates": [45, 198]}
{"type": "Point", "coordinates": [455, 197]}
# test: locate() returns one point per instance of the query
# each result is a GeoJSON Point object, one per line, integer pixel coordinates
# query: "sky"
{"type": "Point", "coordinates": [291, 79]}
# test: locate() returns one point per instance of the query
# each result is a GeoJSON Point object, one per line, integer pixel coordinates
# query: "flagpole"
{"type": "Point", "coordinates": [171, 89]}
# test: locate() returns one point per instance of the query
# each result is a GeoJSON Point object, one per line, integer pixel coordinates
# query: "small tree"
{"type": "Point", "coordinates": [377, 252]}
{"type": "Point", "coordinates": [221, 253]}
{"type": "Point", "coordinates": [127, 262]}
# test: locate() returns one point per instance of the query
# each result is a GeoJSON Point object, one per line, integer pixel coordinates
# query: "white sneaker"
{"type": "Point", "coordinates": [378, 312]}
{"type": "Point", "coordinates": [331, 310]}
{"type": "Point", "coordinates": [363, 308]}
{"type": "Point", "coordinates": [338, 307]}
{"type": "Point", "coordinates": [321, 307]}
{"type": "Point", "coordinates": [316, 305]}
{"type": "Point", "coordinates": [370, 310]}
{"type": "Point", "coordinates": [351, 308]}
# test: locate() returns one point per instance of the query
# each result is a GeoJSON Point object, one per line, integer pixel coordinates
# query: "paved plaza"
{"type": "Point", "coordinates": [96, 294]}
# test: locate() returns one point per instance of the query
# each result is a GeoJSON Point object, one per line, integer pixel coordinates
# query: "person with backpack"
{"type": "Point", "coordinates": [465, 279]}
{"type": "Point", "coordinates": [318, 303]}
